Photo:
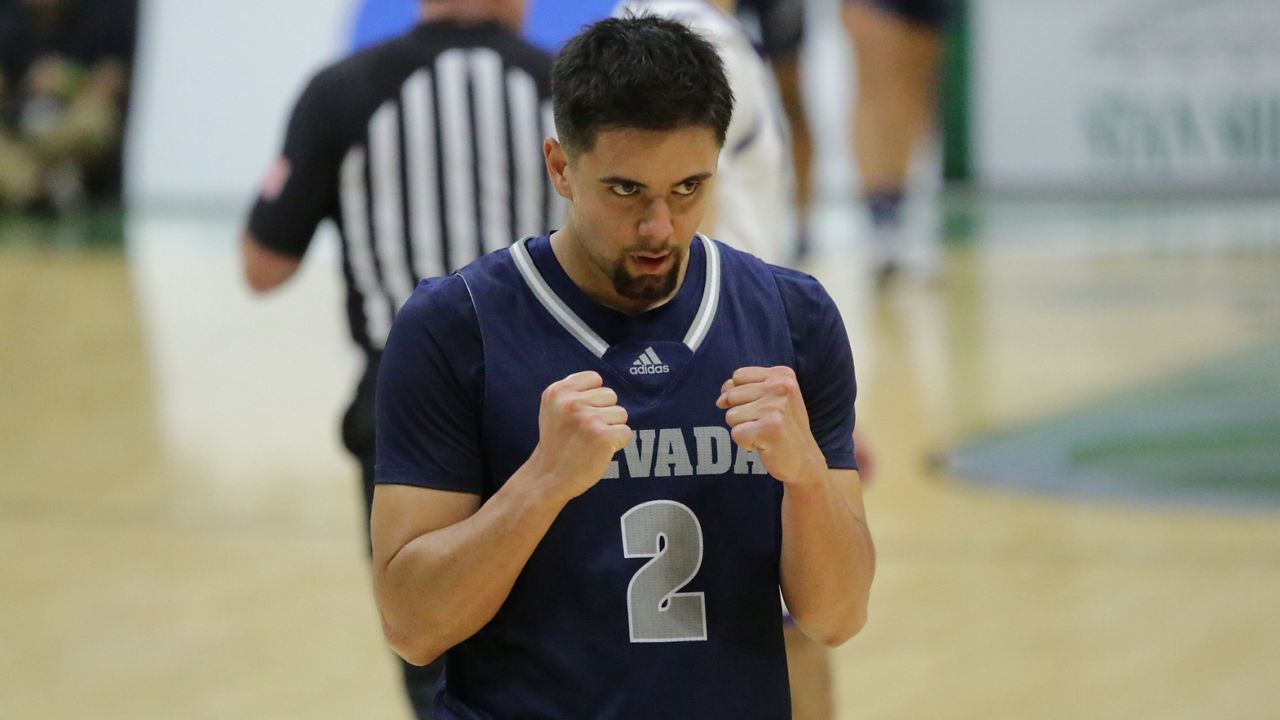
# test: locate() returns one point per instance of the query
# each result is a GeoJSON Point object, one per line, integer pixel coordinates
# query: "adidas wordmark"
{"type": "Point", "coordinates": [649, 364]}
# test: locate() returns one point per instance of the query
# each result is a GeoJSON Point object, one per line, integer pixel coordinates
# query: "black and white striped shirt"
{"type": "Point", "coordinates": [427, 153]}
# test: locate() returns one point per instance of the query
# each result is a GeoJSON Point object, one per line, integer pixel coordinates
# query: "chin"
{"type": "Point", "coordinates": [647, 289]}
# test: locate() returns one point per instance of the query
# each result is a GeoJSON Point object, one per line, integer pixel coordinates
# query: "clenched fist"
{"type": "Point", "coordinates": [766, 413]}
{"type": "Point", "coordinates": [580, 428]}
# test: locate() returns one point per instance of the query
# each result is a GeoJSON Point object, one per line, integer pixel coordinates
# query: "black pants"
{"type": "Point", "coordinates": [420, 683]}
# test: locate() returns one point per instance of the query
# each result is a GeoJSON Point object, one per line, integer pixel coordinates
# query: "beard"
{"type": "Point", "coordinates": [646, 288]}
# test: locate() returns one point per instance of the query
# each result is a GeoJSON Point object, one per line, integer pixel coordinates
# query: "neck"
{"type": "Point", "coordinates": [595, 282]}
{"type": "Point", "coordinates": [472, 12]}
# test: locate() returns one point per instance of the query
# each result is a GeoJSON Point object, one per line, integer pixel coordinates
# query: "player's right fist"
{"type": "Point", "coordinates": [580, 428]}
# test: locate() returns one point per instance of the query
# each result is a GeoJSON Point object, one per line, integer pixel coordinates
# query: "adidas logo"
{"type": "Point", "coordinates": [649, 364]}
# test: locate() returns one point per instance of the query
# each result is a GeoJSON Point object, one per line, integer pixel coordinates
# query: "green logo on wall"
{"type": "Point", "coordinates": [1237, 134]}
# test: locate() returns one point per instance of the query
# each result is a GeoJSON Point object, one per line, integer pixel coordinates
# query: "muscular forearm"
{"type": "Point", "coordinates": [828, 561]}
{"type": "Point", "coordinates": [443, 586]}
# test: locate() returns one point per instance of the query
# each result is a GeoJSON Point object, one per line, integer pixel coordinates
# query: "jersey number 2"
{"type": "Point", "coordinates": [670, 533]}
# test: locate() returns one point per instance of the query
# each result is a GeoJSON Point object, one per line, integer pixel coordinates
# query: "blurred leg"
{"type": "Point", "coordinates": [897, 91]}
{"type": "Point", "coordinates": [781, 38]}
{"type": "Point", "coordinates": [897, 61]}
{"type": "Point", "coordinates": [787, 72]}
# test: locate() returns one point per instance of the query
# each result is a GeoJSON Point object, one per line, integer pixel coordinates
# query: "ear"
{"type": "Point", "coordinates": [557, 167]}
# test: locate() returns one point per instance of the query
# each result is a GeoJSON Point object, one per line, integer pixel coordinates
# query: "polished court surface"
{"type": "Point", "coordinates": [180, 534]}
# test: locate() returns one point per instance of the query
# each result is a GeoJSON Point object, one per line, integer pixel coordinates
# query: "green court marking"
{"type": "Point", "coordinates": [1211, 437]}
{"type": "Point", "coordinates": [96, 227]}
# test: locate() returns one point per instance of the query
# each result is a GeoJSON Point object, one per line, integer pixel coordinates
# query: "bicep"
{"type": "Point", "coordinates": [402, 513]}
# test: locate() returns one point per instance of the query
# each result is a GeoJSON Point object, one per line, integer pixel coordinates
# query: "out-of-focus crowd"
{"type": "Point", "coordinates": [64, 85]}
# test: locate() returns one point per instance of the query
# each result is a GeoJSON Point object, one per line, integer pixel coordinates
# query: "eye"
{"type": "Point", "coordinates": [688, 188]}
{"type": "Point", "coordinates": [625, 189]}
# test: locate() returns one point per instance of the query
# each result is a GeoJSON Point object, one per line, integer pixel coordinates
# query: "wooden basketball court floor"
{"type": "Point", "coordinates": [180, 536]}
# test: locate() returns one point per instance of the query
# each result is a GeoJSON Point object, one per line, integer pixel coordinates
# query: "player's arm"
{"type": "Point", "coordinates": [299, 191]}
{"type": "Point", "coordinates": [264, 268]}
{"type": "Point", "coordinates": [444, 562]}
{"type": "Point", "coordinates": [828, 559]}
{"type": "Point", "coordinates": [800, 422]}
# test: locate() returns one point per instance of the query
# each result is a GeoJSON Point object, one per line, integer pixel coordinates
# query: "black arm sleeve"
{"type": "Point", "coordinates": [301, 188]}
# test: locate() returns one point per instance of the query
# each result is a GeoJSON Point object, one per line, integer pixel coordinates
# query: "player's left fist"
{"type": "Point", "coordinates": [765, 413]}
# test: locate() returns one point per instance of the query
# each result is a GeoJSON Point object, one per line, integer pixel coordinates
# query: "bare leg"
{"type": "Point", "coordinates": [896, 100]}
{"type": "Point", "coordinates": [787, 72]}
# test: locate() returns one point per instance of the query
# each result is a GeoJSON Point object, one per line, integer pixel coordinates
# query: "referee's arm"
{"type": "Point", "coordinates": [264, 268]}
{"type": "Point", "coordinates": [298, 192]}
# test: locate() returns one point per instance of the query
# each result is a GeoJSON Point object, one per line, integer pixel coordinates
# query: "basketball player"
{"type": "Point", "coordinates": [778, 32]}
{"type": "Point", "coordinates": [898, 47]}
{"type": "Point", "coordinates": [750, 204]}
{"type": "Point", "coordinates": [602, 452]}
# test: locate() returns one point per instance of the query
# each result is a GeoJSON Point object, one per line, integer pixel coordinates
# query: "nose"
{"type": "Point", "coordinates": [656, 222]}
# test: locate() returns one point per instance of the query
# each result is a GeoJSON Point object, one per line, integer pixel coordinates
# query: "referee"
{"type": "Point", "coordinates": [426, 151]}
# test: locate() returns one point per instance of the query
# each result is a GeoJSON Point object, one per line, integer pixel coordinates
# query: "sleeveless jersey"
{"type": "Point", "coordinates": [655, 593]}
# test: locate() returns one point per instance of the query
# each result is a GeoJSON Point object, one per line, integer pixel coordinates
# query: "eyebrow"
{"type": "Point", "coordinates": [619, 180]}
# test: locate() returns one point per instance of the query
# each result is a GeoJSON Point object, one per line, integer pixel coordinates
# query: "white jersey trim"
{"type": "Point", "coordinates": [579, 329]}
{"type": "Point", "coordinates": [710, 298]}
{"type": "Point", "coordinates": [553, 304]}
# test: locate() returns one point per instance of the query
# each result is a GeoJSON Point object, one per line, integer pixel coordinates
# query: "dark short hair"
{"type": "Point", "coordinates": [640, 72]}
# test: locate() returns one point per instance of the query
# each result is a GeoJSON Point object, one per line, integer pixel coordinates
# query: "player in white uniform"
{"type": "Point", "coordinates": [753, 211]}
{"type": "Point", "coordinates": [753, 187]}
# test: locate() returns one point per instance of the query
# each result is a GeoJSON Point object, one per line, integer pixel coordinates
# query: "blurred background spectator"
{"type": "Point", "coordinates": [64, 79]}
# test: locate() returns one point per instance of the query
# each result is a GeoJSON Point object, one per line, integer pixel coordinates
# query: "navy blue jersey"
{"type": "Point", "coordinates": [655, 592]}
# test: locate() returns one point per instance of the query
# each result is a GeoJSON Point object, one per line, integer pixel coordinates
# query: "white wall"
{"type": "Point", "coordinates": [213, 87]}
{"type": "Point", "coordinates": [1129, 93]}
{"type": "Point", "coordinates": [215, 81]}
